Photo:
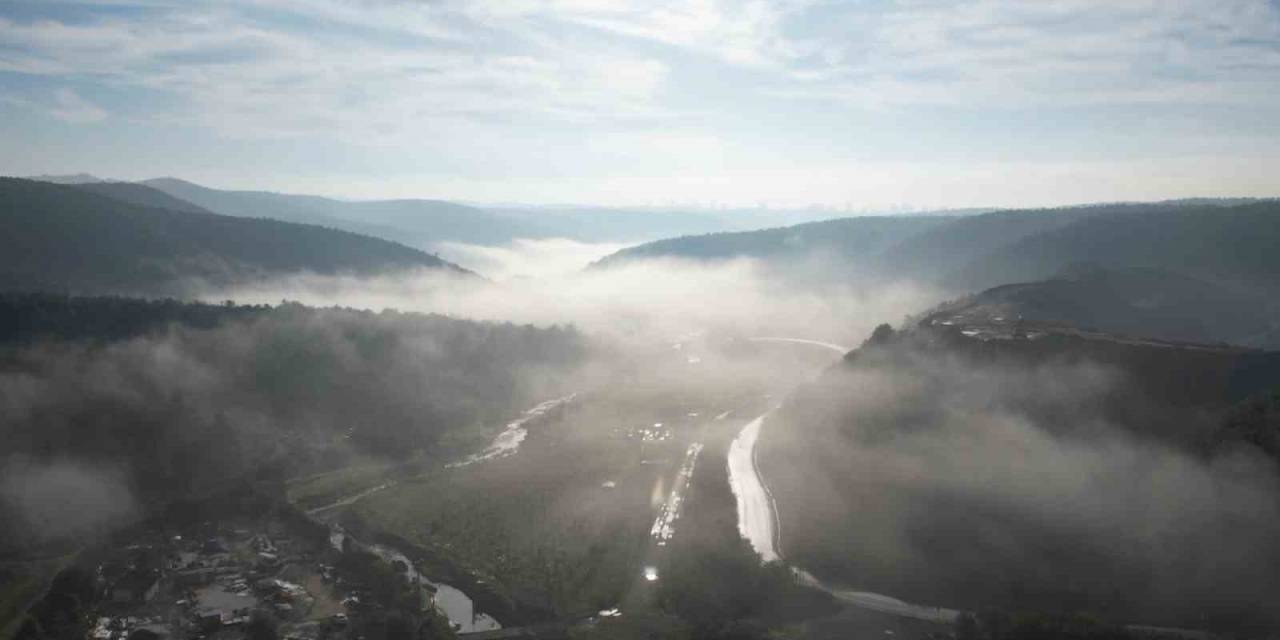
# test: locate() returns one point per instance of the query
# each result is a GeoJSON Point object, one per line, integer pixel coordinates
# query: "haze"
{"type": "Point", "coordinates": [597, 319]}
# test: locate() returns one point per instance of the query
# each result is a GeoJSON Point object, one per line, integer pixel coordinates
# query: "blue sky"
{"type": "Point", "coordinates": [792, 102]}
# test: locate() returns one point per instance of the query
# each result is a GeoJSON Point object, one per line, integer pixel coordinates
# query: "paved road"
{"type": "Point", "coordinates": [817, 343]}
{"type": "Point", "coordinates": [758, 523]}
{"type": "Point", "coordinates": [758, 516]}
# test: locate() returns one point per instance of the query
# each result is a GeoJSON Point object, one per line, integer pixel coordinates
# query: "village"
{"type": "Point", "coordinates": [256, 578]}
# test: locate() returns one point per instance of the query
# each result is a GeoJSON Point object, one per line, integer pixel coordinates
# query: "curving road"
{"type": "Point", "coordinates": [758, 523]}
{"type": "Point", "coordinates": [817, 343]}
{"type": "Point", "coordinates": [758, 516]}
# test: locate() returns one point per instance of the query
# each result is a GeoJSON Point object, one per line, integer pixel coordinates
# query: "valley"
{"type": "Point", "coordinates": [623, 320]}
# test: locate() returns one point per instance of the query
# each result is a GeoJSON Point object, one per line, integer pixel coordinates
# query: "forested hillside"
{"type": "Point", "coordinates": [1219, 241]}
{"type": "Point", "coordinates": [425, 223]}
{"type": "Point", "coordinates": [419, 223]}
{"type": "Point", "coordinates": [1231, 244]}
{"type": "Point", "coordinates": [1038, 470]}
{"type": "Point", "coordinates": [1136, 302]}
{"type": "Point", "coordinates": [855, 240]}
{"type": "Point", "coordinates": [66, 238]}
{"type": "Point", "coordinates": [151, 400]}
{"type": "Point", "coordinates": [1201, 270]}
{"type": "Point", "coordinates": [140, 194]}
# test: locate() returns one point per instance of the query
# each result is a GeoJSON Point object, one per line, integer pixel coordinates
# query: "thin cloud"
{"type": "Point", "coordinates": [375, 74]}
{"type": "Point", "coordinates": [70, 107]}
{"type": "Point", "coordinates": [1081, 52]}
{"type": "Point", "coordinates": [742, 101]}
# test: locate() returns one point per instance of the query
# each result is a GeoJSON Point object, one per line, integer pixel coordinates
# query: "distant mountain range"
{"type": "Point", "coordinates": [1198, 270]}
{"type": "Point", "coordinates": [843, 242]}
{"type": "Point", "coordinates": [429, 224]}
{"type": "Point", "coordinates": [68, 178]}
{"type": "Point", "coordinates": [419, 223]}
{"type": "Point", "coordinates": [1233, 245]}
{"type": "Point", "coordinates": [129, 238]}
{"type": "Point", "coordinates": [1214, 240]}
{"type": "Point", "coordinates": [1193, 270]}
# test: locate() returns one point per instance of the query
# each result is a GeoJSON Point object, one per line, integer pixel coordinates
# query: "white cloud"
{"type": "Point", "coordinates": [368, 67]}
{"type": "Point", "coordinates": [655, 100]}
{"type": "Point", "coordinates": [743, 33]}
{"type": "Point", "coordinates": [1011, 53]}
{"type": "Point", "coordinates": [526, 257]}
{"type": "Point", "coordinates": [418, 70]}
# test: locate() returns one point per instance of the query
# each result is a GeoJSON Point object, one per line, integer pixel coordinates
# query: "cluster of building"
{"type": "Point", "coordinates": [655, 433]}
{"type": "Point", "coordinates": [211, 581]}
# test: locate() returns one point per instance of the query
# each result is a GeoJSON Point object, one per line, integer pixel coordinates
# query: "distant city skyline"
{"type": "Point", "coordinates": [794, 103]}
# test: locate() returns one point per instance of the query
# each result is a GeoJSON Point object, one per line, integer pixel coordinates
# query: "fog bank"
{"type": "Point", "coordinates": [651, 300]}
{"type": "Point", "coordinates": [61, 499]}
{"type": "Point", "coordinates": [970, 484]}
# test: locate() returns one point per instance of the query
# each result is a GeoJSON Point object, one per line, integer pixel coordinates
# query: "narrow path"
{"type": "Point", "coordinates": [351, 499]}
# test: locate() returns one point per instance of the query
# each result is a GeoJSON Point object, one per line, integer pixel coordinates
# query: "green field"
{"type": "Point", "coordinates": [542, 526]}
{"type": "Point", "coordinates": [323, 488]}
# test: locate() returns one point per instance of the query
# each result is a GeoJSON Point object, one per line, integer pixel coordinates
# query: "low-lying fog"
{"type": "Point", "coordinates": [403, 382]}
{"type": "Point", "coordinates": [976, 484]}
{"type": "Point", "coordinates": [546, 282]}
{"type": "Point", "coordinates": [950, 448]}
{"type": "Point", "coordinates": [527, 257]}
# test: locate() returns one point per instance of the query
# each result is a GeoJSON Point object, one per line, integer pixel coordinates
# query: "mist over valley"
{"type": "Point", "coordinates": [692, 319]}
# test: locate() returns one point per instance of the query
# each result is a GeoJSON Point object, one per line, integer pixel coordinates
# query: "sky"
{"type": "Point", "coordinates": [851, 104]}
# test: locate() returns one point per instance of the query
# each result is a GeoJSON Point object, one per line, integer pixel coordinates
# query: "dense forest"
{"type": "Point", "coordinates": [77, 240]}
{"type": "Point", "coordinates": [140, 401]}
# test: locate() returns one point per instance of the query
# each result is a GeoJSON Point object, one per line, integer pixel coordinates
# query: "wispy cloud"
{"type": "Point", "coordinates": [1012, 53]}
{"type": "Point", "coordinates": [374, 64]}
{"type": "Point", "coordinates": [746, 33]}
{"type": "Point", "coordinates": [577, 97]}
{"type": "Point", "coordinates": [367, 70]}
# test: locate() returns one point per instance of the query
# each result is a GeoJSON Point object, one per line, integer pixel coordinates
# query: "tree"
{"type": "Point", "coordinates": [882, 334]}
{"type": "Point", "coordinates": [261, 626]}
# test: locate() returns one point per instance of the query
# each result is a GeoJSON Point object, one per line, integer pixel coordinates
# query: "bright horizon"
{"type": "Point", "coordinates": [852, 106]}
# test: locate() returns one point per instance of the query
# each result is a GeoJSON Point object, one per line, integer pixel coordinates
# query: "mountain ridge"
{"type": "Point", "coordinates": [68, 238]}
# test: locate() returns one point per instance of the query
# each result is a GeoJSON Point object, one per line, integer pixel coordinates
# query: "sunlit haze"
{"type": "Point", "coordinates": [623, 319]}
